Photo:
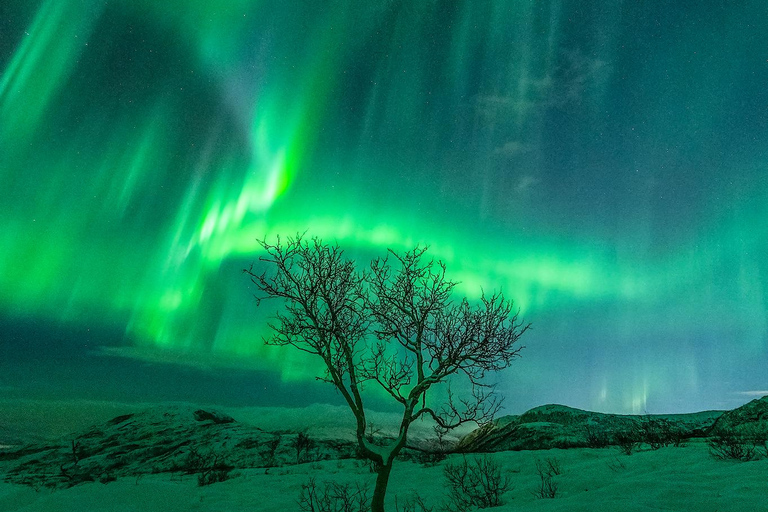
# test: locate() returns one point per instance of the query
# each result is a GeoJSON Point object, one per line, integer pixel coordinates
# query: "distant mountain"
{"type": "Point", "coordinates": [8, 438]}
{"type": "Point", "coordinates": [15, 436]}
{"type": "Point", "coordinates": [558, 426]}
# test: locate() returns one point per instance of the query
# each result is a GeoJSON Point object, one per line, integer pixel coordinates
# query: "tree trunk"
{"type": "Point", "coordinates": [382, 479]}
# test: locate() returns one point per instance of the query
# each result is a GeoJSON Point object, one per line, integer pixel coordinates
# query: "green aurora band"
{"type": "Point", "coordinates": [605, 166]}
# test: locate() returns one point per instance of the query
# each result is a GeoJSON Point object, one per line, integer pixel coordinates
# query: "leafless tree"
{"type": "Point", "coordinates": [394, 324]}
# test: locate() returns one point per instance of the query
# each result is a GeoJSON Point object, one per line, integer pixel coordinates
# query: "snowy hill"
{"type": "Point", "coordinates": [558, 426]}
{"type": "Point", "coordinates": [751, 415]}
{"type": "Point", "coordinates": [164, 440]}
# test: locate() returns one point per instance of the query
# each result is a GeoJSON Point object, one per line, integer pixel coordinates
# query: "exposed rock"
{"type": "Point", "coordinates": [214, 416]}
{"type": "Point", "coordinates": [120, 419]}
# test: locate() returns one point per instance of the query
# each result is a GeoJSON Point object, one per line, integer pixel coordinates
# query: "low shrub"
{"type": "Point", "coordinates": [476, 484]}
{"type": "Point", "coordinates": [627, 441]}
{"type": "Point", "coordinates": [413, 503]}
{"type": "Point", "coordinates": [730, 444]}
{"type": "Point", "coordinates": [595, 437]}
{"type": "Point", "coordinates": [210, 467]}
{"type": "Point", "coordinates": [333, 497]}
{"type": "Point", "coordinates": [548, 486]}
{"type": "Point", "coordinates": [213, 475]}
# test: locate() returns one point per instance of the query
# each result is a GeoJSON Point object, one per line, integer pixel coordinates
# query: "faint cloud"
{"type": "Point", "coordinates": [578, 77]}
{"type": "Point", "coordinates": [494, 101]}
{"type": "Point", "coordinates": [492, 107]}
{"type": "Point", "coordinates": [500, 109]}
{"type": "Point", "coordinates": [512, 148]}
{"type": "Point", "coordinates": [525, 183]}
{"type": "Point", "coordinates": [753, 393]}
{"type": "Point", "coordinates": [202, 361]}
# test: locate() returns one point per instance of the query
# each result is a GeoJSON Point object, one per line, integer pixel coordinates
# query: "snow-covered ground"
{"type": "Point", "coordinates": [681, 479]}
{"type": "Point", "coordinates": [685, 478]}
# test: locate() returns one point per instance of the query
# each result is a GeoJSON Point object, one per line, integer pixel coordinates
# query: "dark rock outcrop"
{"type": "Point", "coordinates": [214, 416]}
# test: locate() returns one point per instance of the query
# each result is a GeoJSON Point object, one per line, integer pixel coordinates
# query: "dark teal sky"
{"type": "Point", "coordinates": [606, 165]}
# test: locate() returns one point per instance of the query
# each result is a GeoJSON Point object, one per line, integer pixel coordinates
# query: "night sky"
{"type": "Point", "coordinates": [604, 163]}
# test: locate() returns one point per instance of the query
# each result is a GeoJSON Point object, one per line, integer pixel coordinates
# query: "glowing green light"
{"type": "Point", "coordinates": [136, 205]}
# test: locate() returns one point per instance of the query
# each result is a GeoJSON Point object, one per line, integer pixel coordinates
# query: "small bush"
{"type": "Point", "coordinates": [729, 444]}
{"type": "Point", "coordinates": [616, 465]}
{"type": "Point", "coordinates": [627, 441]}
{"type": "Point", "coordinates": [414, 503]}
{"type": "Point", "coordinates": [373, 435]}
{"type": "Point", "coordinates": [552, 466]}
{"type": "Point", "coordinates": [333, 497]}
{"type": "Point", "coordinates": [213, 476]}
{"type": "Point", "coordinates": [194, 462]}
{"type": "Point", "coordinates": [105, 478]}
{"type": "Point", "coordinates": [210, 468]}
{"type": "Point", "coordinates": [476, 484]}
{"type": "Point", "coordinates": [217, 471]}
{"type": "Point", "coordinates": [658, 433]}
{"type": "Point", "coordinates": [437, 452]}
{"type": "Point", "coordinates": [760, 438]}
{"type": "Point", "coordinates": [303, 444]}
{"type": "Point", "coordinates": [78, 451]}
{"type": "Point", "coordinates": [678, 436]}
{"type": "Point", "coordinates": [595, 437]}
{"type": "Point", "coordinates": [269, 454]}
{"type": "Point", "coordinates": [547, 471]}
{"type": "Point", "coordinates": [429, 458]}
{"type": "Point", "coordinates": [362, 461]}
{"type": "Point", "coordinates": [75, 475]}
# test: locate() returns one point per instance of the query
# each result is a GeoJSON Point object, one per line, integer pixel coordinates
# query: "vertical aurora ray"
{"type": "Point", "coordinates": [603, 165]}
{"type": "Point", "coordinates": [41, 64]}
{"type": "Point", "coordinates": [280, 137]}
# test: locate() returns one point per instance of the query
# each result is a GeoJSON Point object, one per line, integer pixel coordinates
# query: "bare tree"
{"type": "Point", "coordinates": [394, 324]}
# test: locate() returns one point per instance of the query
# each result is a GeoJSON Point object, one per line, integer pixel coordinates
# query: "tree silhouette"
{"type": "Point", "coordinates": [394, 324]}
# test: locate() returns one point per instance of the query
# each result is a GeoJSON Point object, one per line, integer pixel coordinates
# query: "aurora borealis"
{"type": "Point", "coordinates": [606, 165]}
